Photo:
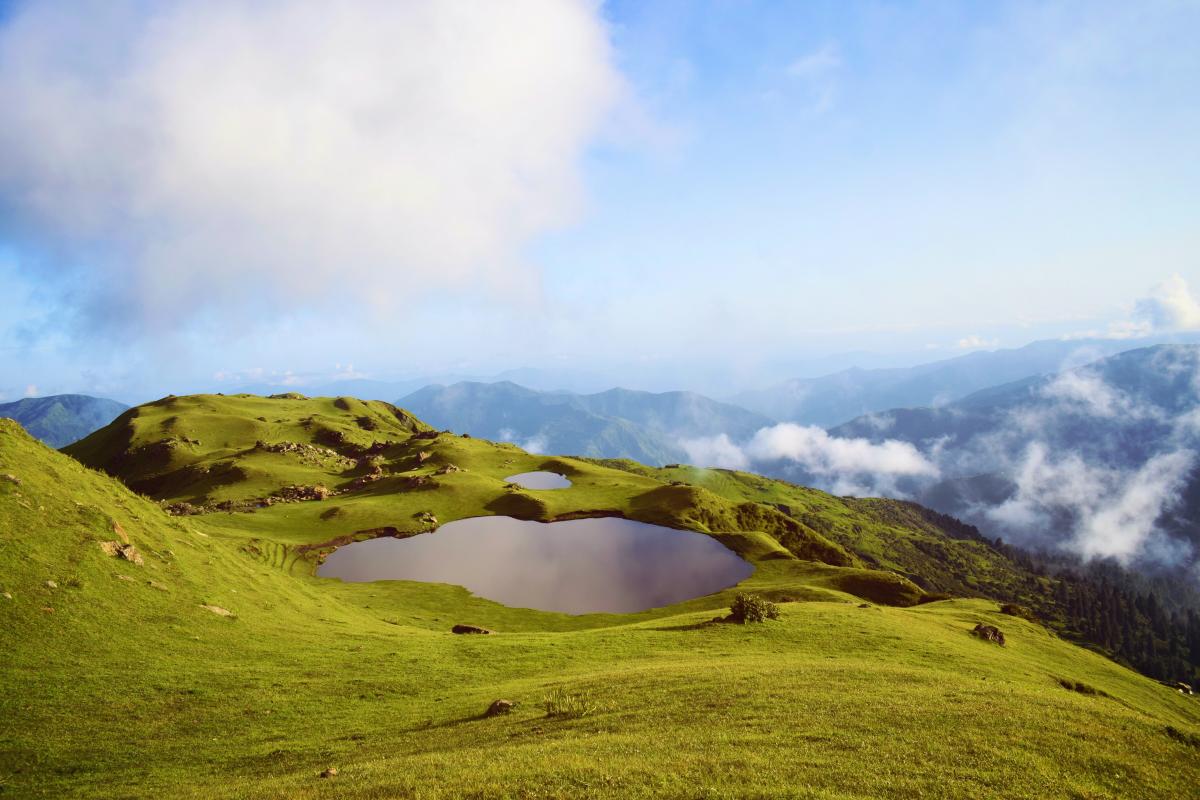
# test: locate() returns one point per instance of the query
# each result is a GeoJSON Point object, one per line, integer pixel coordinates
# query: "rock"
{"type": "Point", "coordinates": [425, 435]}
{"type": "Point", "coordinates": [156, 585]}
{"type": "Point", "coordinates": [13, 479]}
{"type": "Point", "coordinates": [446, 470]}
{"type": "Point", "coordinates": [460, 628]}
{"type": "Point", "coordinates": [989, 633]}
{"type": "Point", "coordinates": [125, 551]}
{"type": "Point", "coordinates": [1182, 687]}
{"type": "Point", "coordinates": [295, 492]}
{"type": "Point", "coordinates": [417, 481]}
{"type": "Point", "coordinates": [51, 584]}
{"type": "Point", "coordinates": [220, 612]}
{"type": "Point", "coordinates": [864, 605]}
{"type": "Point", "coordinates": [124, 578]}
{"type": "Point", "coordinates": [8, 595]}
{"type": "Point", "coordinates": [424, 456]}
{"type": "Point", "coordinates": [499, 707]}
{"type": "Point", "coordinates": [329, 773]}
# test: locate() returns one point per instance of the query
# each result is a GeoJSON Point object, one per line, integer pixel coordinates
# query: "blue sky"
{"type": "Point", "coordinates": [715, 187]}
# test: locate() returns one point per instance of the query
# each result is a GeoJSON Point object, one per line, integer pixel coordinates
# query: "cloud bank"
{"type": "Point", "coordinates": [845, 466]}
{"type": "Point", "coordinates": [190, 155]}
{"type": "Point", "coordinates": [1095, 460]}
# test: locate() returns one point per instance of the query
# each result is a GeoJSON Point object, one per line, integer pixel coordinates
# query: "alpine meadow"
{"type": "Point", "coordinates": [599, 399]}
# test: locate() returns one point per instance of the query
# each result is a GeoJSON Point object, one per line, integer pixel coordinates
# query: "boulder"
{"type": "Point", "coordinates": [51, 584]}
{"type": "Point", "coordinates": [460, 628]}
{"type": "Point", "coordinates": [989, 633]}
{"type": "Point", "coordinates": [13, 479]}
{"type": "Point", "coordinates": [220, 612]}
{"type": "Point", "coordinates": [125, 551]}
{"type": "Point", "coordinates": [329, 773]}
{"type": "Point", "coordinates": [499, 707]}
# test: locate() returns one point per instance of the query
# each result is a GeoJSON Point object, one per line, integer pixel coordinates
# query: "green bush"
{"type": "Point", "coordinates": [752, 608]}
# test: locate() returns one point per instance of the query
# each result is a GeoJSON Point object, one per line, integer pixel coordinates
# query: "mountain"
{"type": "Point", "coordinates": [61, 419]}
{"type": "Point", "coordinates": [204, 637]}
{"type": "Point", "coordinates": [618, 423]}
{"type": "Point", "coordinates": [1110, 450]}
{"type": "Point", "coordinates": [835, 399]}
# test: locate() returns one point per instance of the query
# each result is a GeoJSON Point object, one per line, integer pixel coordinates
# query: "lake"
{"type": "Point", "coordinates": [539, 480]}
{"type": "Point", "coordinates": [576, 566]}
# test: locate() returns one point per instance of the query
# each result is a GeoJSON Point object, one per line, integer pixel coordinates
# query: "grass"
{"type": "Point", "coordinates": [129, 687]}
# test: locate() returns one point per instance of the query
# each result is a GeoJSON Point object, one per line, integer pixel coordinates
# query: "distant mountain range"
{"type": "Point", "coordinates": [1110, 450]}
{"type": "Point", "coordinates": [834, 399]}
{"type": "Point", "coordinates": [618, 423]}
{"type": "Point", "coordinates": [61, 419]}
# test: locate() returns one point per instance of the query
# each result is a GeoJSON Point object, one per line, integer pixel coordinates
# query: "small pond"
{"type": "Point", "coordinates": [539, 480]}
{"type": "Point", "coordinates": [577, 566]}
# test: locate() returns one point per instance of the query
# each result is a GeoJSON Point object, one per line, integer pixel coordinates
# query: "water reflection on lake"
{"type": "Point", "coordinates": [576, 566]}
{"type": "Point", "coordinates": [539, 480]}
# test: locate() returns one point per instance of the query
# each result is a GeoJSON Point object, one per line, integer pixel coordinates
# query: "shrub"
{"type": "Point", "coordinates": [1014, 610]}
{"type": "Point", "coordinates": [569, 705]}
{"type": "Point", "coordinates": [752, 608]}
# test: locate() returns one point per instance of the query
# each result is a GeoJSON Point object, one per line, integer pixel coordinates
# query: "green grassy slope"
{"type": "Point", "coordinates": [119, 682]}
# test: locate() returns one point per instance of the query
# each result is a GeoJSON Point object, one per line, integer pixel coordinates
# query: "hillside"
{"type": "Point", "coordinates": [836, 399]}
{"type": "Point", "coordinates": [221, 667]}
{"type": "Point", "coordinates": [1119, 414]}
{"type": "Point", "coordinates": [61, 419]}
{"type": "Point", "coordinates": [618, 423]}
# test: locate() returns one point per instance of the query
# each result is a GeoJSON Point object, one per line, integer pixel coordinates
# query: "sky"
{"type": "Point", "coordinates": [198, 194]}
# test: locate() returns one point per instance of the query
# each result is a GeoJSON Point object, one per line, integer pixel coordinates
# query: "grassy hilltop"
{"type": "Point", "coordinates": [220, 666]}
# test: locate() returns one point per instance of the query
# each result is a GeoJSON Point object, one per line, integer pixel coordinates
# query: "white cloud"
{"type": "Point", "coordinates": [535, 444]}
{"type": "Point", "coordinates": [1170, 306]}
{"type": "Point", "coordinates": [816, 63]}
{"type": "Point", "coordinates": [715, 451]}
{"type": "Point", "coordinates": [817, 71]}
{"type": "Point", "coordinates": [207, 154]}
{"type": "Point", "coordinates": [813, 450]}
{"type": "Point", "coordinates": [1114, 512]}
{"type": "Point", "coordinates": [31, 391]}
{"type": "Point", "coordinates": [818, 452]}
{"type": "Point", "coordinates": [1085, 392]}
{"type": "Point", "coordinates": [976, 342]}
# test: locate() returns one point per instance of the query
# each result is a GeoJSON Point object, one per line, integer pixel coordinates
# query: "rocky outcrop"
{"type": "Point", "coordinates": [469, 629]}
{"type": "Point", "coordinates": [123, 551]}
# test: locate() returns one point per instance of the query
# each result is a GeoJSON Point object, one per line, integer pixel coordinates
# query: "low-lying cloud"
{"type": "Point", "coordinates": [187, 156]}
{"type": "Point", "coordinates": [1095, 460]}
{"type": "Point", "coordinates": [846, 466]}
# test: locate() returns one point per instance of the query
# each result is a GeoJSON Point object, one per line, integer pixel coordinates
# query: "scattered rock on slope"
{"type": "Point", "coordinates": [125, 551]}
{"type": "Point", "coordinates": [499, 707]}
{"type": "Point", "coordinates": [989, 633]}
{"type": "Point", "coordinates": [469, 629]}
